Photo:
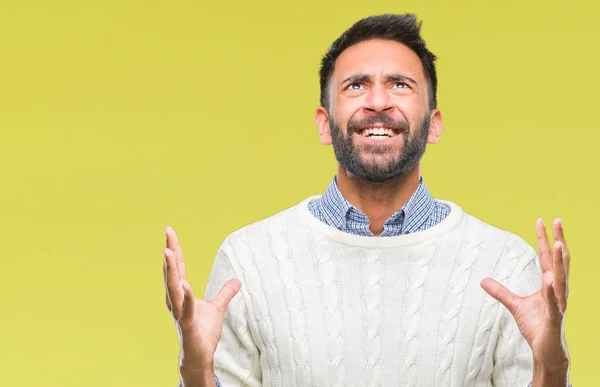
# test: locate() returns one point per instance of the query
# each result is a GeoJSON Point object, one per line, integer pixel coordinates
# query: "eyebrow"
{"type": "Point", "coordinates": [393, 77]}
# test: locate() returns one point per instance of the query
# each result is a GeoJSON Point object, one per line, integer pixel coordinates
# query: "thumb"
{"type": "Point", "coordinates": [500, 293]}
{"type": "Point", "coordinates": [228, 291]}
{"type": "Point", "coordinates": [189, 303]}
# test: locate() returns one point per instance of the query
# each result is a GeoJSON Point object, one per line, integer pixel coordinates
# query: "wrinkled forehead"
{"type": "Point", "coordinates": [377, 58]}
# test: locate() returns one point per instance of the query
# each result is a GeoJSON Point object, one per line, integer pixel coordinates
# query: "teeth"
{"type": "Point", "coordinates": [377, 132]}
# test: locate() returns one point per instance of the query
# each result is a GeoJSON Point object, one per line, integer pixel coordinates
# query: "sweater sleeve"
{"type": "Point", "coordinates": [237, 358]}
{"type": "Point", "coordinates": [513, 358]}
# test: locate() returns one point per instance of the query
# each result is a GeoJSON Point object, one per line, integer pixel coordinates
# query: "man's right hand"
{"type": "Point", "coordinates": [199, 322]}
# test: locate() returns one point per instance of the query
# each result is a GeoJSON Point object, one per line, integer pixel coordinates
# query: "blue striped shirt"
{"type": "Point", "coordinates": [419, 213]}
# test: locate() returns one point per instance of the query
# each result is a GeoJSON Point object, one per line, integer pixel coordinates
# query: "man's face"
{"type": "Point", "coordinates": [379, 116]}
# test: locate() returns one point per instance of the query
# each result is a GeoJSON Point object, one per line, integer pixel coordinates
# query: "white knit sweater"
{"type": "Point", "coordinates": [319, 307]}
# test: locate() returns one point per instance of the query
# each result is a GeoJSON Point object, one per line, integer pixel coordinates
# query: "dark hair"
{"type": "Point", "coordinates": [405, 29]}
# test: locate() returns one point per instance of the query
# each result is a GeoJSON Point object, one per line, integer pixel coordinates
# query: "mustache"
{"type": "Point", "coordinates": [399, 126]}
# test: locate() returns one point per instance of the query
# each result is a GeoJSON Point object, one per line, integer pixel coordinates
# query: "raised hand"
{"type": "Point", "coordinates": [540, 316]}
{"type": "Point", "coordinates": [199, 322]}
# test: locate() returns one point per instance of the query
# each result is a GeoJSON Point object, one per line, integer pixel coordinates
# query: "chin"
{"type": "Point", "coordinates": [377, 177]}
{"type": "Point", "coordinates": [380, 162]}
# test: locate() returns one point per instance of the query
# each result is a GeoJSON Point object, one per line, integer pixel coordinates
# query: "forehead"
{"type": "Point", "coordinates": [377, 57]}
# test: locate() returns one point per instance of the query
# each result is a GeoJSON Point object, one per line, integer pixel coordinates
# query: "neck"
{"type": "Point", "coordinates": [378, 201]}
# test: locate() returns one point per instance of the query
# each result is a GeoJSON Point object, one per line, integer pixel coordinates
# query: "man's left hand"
{"type": "Point", "coordinates": [540, 316]}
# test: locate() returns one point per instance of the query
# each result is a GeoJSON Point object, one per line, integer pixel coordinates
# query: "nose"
{"type": "Point", "coordinates": [378, 100]}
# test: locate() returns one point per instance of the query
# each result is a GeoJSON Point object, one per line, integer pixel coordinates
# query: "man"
{"type": "Point", "coordinates": [375, 283]}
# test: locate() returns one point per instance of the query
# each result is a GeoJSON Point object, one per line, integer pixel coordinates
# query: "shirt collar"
{"type": "Point", "coordinates": [335, 206]}
{"type": "Point", "coordinates": [418, 209]}
{"type": "Point", "coordinates": [414, 213]}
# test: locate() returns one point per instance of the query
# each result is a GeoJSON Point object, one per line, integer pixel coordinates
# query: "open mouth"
{"type": "Point", "coordinates": [377, 132]}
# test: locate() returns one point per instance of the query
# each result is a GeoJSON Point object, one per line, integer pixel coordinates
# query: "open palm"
{"type": "Point", "coordinates": [199, 322]}
{"type": "Point", "coordinates": [540, 316]}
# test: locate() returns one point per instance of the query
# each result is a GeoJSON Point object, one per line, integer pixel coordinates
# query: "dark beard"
{"type": "Point", "coordinates": [397, 167]}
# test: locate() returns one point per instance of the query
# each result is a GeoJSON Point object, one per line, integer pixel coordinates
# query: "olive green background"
{"type": "Point", "coordinates": [118, 118]}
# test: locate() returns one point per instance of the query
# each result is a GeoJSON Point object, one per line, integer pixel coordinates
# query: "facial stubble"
{"type": "Point", "coordinates": [395, 166]}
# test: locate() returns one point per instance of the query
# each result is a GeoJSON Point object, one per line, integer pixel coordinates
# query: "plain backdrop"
{"type": "Point", "coordinates": [120, 117]}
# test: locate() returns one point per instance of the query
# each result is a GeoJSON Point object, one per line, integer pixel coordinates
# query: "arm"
{"type": "Point", "coordinates": [513, 358]}
{"type": "Point", "coordinates": [237, 358]}
{"type": "Point", "coordinates": [199, 322]}
{"type": "Point", "coordinates": [540, 315]}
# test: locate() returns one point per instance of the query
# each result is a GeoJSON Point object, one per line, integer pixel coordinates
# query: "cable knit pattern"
{"type": "Point", "coordinates": [454, 302]}
{"type": "Point", "coordinates": [510, 335]}
{"type": "Point", "coordinates": [279, 249]}
{"type": "Point", "coordinates": [413, 299]}
{"type": "Point", "coordinates": [321, 307]}
{"type": "Point", "coordinates": [514, 251]}
{"type": "Point", "coordinates": [373, 272]}
{"type": "Point", "coordinates": [260, 304]}
{"type": "Point", "coordinates": [334, 347]}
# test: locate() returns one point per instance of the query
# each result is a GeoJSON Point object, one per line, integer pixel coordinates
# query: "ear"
{"type": "Point", "coordinates": [322, 121]}
{"type": "Point", "coordinates": [435, 126]}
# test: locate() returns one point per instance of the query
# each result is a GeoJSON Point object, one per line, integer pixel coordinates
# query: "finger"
{"type": "Point", "coordinates": [500, 293]}
{"type": "Point", "coordinates": [167, 301]}
{"type": "Point", "coordinates": [228, 291]}
{"type": "Point", "coordinates": [171, 238]}
{"type": "Point", "coordinates": [189, 305]}
{"type": "Point", "coordinates": [543, 246]}
{"type": "Point", "coordinates": [173, 287]}
{"type": "Point", "coordinates": [173, 245]}
{"type": "Point", "coordinates": [560, 276]}
{"type": "Point", "coordinates": [552, 303]}
{"type": "Point", "coordinates": [559, 235]}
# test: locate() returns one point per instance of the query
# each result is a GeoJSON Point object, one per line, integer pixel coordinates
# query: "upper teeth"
{"type": "Point", "coordinates": [377, 131]}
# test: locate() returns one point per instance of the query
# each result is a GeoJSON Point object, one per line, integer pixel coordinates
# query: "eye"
{"type": "Point", "coordinates": [400, 85]}
{"type": "Point", "coordinates": [354, 86]}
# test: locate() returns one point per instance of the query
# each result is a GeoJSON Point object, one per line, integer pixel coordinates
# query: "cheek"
{"type": "Point", "coordinates": [411, 109]}
{"type": "Point", "coordinates": [346, 109]}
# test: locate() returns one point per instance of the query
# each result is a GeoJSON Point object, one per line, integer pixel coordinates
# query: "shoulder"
{"type": "Point", "coordinates": [504, 255]}
{"type": "Point", "coordinates": [493, 242]}
{"type": "Point", "coordinates": [497, 253]}
{"type": "Point", "coordinates": [253, 234]}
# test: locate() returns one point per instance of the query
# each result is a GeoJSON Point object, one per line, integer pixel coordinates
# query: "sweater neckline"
{"type": "Point", "coordinates": [453, 218]}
